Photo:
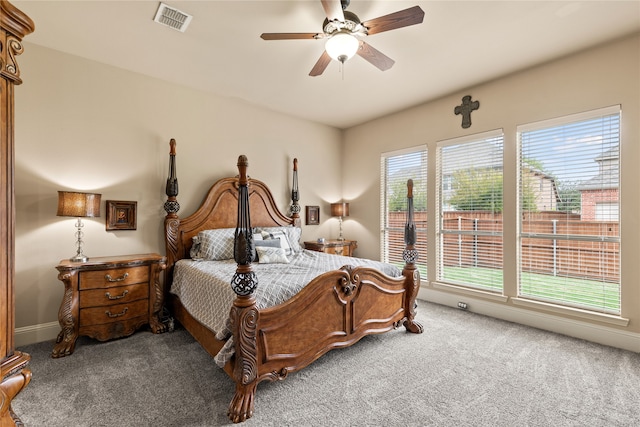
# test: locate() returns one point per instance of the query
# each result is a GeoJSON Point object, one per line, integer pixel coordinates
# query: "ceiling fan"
{"type": "Point", "coordinates": [344, 33]}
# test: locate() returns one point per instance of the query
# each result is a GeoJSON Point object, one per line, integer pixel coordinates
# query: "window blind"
{"type": "Point", "coordinates": [396, 168]}
{"type": "Point", "coordinates": [569, 233]}
{"type": "Point", "coordinates": [470, 201]}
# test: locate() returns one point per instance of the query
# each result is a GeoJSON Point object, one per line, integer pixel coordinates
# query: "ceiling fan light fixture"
{"type": "Point", "coordinates": [341, 46]}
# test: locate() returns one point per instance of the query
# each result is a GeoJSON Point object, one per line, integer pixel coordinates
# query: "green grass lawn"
{"type": "Point", "coordinates": [576, 292]}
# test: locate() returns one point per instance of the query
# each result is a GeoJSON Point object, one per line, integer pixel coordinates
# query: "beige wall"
{"type": "Point", "coordinates": [81, 125]}
{"type": "Point", "coordinates": [85, 126]}
{"type": "Point", "coordinates": [596, 78]}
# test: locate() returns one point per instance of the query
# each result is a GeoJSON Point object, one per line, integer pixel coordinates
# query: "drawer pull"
{"type": "Point", "coordinates": [108, 295]}
{"type": "Point", "coordinates": [108, 313]}
{"type": "Point", "coordinates": [117, 279]}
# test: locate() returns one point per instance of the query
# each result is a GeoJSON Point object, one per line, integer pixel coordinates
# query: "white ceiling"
{"type": "Point", "coordinates": [459, 44]}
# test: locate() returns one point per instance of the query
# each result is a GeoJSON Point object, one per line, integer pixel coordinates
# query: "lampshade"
{"type": "Point", "coordinates": [342, 46]}
{"type": "Point", "coordinates": [339, 209]}
{"type": "Point", "coordinates": [71, 203]}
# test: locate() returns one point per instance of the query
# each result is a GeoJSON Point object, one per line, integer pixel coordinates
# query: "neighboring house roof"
{"type": "Point", "coordinates": [609, 176]}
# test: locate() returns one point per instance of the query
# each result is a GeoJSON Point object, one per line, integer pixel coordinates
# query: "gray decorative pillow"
{"type": "Point", "coordinates": [267, 255]}
{"type": "Point", "coordinates": [271, 243]}
{"type": "Point", "coordinates": [195, 248]}
{"type": "Point", "coordinates": [216, 245]}
{"type": "Point", "coordinates": [293, 236]}
{"type": "Point", "coordinates": [284, 241]}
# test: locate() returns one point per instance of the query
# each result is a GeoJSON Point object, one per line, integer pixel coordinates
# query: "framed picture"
{"type": "Point", "coordinates": [121, 215]}
{"type": "Point", "coordinates": [312, 215]}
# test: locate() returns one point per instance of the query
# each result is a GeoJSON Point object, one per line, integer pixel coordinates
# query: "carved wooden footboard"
{"type": "Point", "coordinates": [335, 310]}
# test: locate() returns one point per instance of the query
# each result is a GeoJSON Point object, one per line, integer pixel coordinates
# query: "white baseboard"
{"type": "Point", "coordinates": [601, 334]}
{"type": "Point", "coordinates": [589, 331]}
{"type": "Point", "coordinates": [36, 333]}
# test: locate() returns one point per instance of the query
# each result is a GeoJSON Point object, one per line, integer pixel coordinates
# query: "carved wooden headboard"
{"type": "Point", "coordinates": [219, 209]}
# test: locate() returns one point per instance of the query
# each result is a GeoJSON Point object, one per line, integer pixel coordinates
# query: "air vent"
{"type": "Point", "coordinates": [167, 15]}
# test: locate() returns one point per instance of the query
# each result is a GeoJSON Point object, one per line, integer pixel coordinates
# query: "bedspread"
{"type": "Point", "coordinates": [205, 292]}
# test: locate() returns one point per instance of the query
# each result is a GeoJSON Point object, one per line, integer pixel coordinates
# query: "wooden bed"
{"type": "Point", "coordinates": [334, 310]}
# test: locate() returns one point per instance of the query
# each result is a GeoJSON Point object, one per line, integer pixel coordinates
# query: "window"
{"type": "Point", "coordinates": [570, 254]}
{"type": "Point", "coordinates": [470, 217]}
{"type": "Point", "coordinates": [396, 168]}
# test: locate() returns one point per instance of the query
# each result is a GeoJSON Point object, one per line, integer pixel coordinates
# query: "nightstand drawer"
{"type": "Point", "coordinates": [336, 250]}
{"type": "Point", "coordinates": [113, 277]}
{"type": "Point", "coordinates": [115, 295]}
{"type": "Point", "coordinates": [113, 313]}
{"type": "Point", "coordinates": [333, 247]}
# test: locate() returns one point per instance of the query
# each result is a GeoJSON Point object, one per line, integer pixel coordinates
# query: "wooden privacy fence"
{"type": "Point", "coordinates": [556, 255]}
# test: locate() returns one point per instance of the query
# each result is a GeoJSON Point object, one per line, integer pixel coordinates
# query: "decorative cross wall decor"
{"type": "Point", "coordinates": [465, 109]}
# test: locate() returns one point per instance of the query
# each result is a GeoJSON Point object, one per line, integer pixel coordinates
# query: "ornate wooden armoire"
{"type": "Point", "coordinates": [14, 25]}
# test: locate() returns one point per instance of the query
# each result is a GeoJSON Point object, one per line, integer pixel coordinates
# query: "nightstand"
{"type": "Point", "coordinates": [336, 247]}
{"type": "Point", "coordinates": [109, 297]}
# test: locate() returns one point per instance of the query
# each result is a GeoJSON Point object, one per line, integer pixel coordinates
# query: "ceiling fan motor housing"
{"type": "Point", "coordinates": [351, 23]}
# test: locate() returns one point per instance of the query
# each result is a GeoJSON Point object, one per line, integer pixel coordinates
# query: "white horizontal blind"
{"type": "Point", "coordinates": [396, 168]}
{"type": "Point", "coordinates": [470, 202]}
{"type": "Point", "coordinates": [570, 236]}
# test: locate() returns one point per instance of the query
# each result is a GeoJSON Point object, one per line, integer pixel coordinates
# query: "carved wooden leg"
{"type": "Point", "coordinates": [15, 377]}
{"type": "Point", "coordinates": [155, 321]}
{"type": "Point", "coordinates": [244, 316]}
{"type": "Point", "coordinates": [241, 406]}
{"type": "Point", "coordinates": [65, 343]}
{"type": "Point", "coordinates": [413, 276]}
{"type": "Point", "coordinates": [67, 317]}
{"type": "Point", "coordinates": [157, 298]}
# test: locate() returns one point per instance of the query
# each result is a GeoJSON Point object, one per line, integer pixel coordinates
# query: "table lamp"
{"type": "Point", "coordinates": [79, 205]}
{"type": "Point", "coordinates": [340, 209]}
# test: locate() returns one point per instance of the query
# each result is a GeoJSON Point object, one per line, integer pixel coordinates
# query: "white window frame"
{"type": "Point", "coordinates": [597, 239]}
{"type": "Point", "coordinates": [441, 232]}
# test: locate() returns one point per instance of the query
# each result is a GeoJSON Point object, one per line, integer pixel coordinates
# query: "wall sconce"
{"type": "Point", "coordinates": [340, 210]}
{"type": "Point", "coordinates": [79, 205]}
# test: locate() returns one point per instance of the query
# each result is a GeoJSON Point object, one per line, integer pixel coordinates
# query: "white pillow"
{"type": "Point", "coordinates": [268, 255]}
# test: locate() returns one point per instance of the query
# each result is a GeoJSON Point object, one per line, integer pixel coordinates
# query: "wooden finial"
{"type": "Point", "coordinates": [172, 144]}
{"type": "Point", "coordinates": [243, 164]}
{"type": "Point", "coordinates": [410, 188]}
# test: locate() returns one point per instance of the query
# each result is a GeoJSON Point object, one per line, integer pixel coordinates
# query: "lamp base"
{"type": "Point", "coordinates": [79, 258]}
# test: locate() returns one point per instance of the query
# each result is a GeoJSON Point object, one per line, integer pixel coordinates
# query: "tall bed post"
{"type": "Point", "coordinates": [410, 271]}
{"type": "Point", "coordinates": [244, 313]}
{"type": "Point", "coordinates": [295, 195]}
{"type": "Point", "coordinates": [171, 221]}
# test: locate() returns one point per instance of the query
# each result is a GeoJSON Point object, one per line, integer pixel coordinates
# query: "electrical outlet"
{"type": "Point", "coordinates": [462, 305]}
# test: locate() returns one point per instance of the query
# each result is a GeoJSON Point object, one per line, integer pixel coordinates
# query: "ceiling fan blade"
{"type": "Point", "coordinates": [404, 18]}
{"type": "Point", "coordinates": [321, 65]}
{"type": "Point", "coordinates": [288, 36]}
{"type": "Point", "coordinates": [333, 10]}
{"type": "Point", "coordinates": [375, 57]}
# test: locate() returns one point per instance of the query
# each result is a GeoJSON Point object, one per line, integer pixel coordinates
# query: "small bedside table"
{"type": "Point", "coordinates": [109, 297]}
{"type": "Point", "coordinates": [336, 247]}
